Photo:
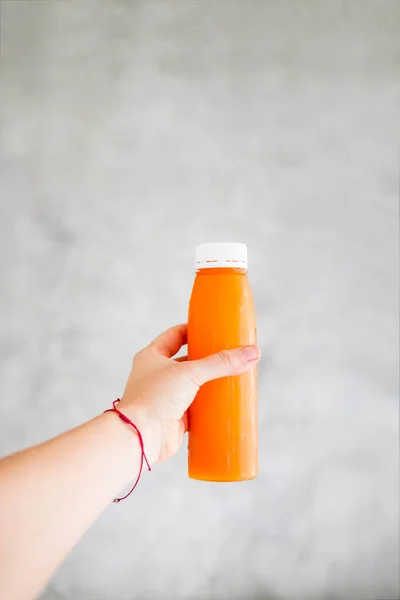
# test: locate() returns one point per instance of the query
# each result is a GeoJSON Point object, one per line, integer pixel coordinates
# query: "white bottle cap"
{"type": "Point", "coordinates": [221, 254]}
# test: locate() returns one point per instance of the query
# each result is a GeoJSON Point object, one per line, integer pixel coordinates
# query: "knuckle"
{"type": "Point", "coordinates": [227, 358]}
{"type": "Point", "coordinates": [139, 355]}
{"type": "Point", "coordinates": [194, 375]}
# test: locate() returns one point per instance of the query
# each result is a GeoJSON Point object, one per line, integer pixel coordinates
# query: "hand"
{"type": "Point", "coordinates": [160, 390]}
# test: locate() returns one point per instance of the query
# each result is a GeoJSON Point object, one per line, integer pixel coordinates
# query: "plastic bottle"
{"type": "Point", "coordinates": [223, 444]}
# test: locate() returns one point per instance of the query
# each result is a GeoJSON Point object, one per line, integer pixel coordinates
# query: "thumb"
{"type": "Point", "coordinates": [224, 363]}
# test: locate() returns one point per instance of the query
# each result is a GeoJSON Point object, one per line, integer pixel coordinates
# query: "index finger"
{"type": "Point", "coordinates": [171, 341]}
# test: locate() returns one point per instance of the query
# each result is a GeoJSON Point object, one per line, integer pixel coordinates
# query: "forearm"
{"type": "Point", "coordinates": [50, 495]}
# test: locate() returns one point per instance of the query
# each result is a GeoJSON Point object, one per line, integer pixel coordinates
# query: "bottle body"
{"type": "Point", "coordinates": [223, 444]}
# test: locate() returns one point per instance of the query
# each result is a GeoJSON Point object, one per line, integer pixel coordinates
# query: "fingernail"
{"type": "Point", "coordinates": [250, 353]}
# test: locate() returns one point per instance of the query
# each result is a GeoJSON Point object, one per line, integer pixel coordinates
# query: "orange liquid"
{"type": "Point", "coordinates": [223, 416]}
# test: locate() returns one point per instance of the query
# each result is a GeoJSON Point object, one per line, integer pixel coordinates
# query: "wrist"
{"type": "Point", "coordinates": [123, 443]}
{"type": "Point", "coordinates": [144, 428]}
{"type": "Point", "coordinates": [149, 430]}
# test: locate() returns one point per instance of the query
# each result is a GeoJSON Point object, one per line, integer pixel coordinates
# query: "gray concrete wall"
{"type": "Point", "coordinates": [131, 131]}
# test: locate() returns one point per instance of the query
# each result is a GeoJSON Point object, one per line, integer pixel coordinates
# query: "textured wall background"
{"type": "Point", "coordinates": [131, 131]}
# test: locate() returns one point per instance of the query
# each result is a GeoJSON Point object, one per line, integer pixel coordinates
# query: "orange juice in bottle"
{"type": "Point", "coordinates": [223, 416]}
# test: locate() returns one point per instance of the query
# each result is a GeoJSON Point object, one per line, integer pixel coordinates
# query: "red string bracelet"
{"type": "Point", "coordinates": [142, 458]}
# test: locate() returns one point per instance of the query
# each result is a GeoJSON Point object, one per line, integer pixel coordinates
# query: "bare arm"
{"type": "Point", "coordinates": [50, 494]}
